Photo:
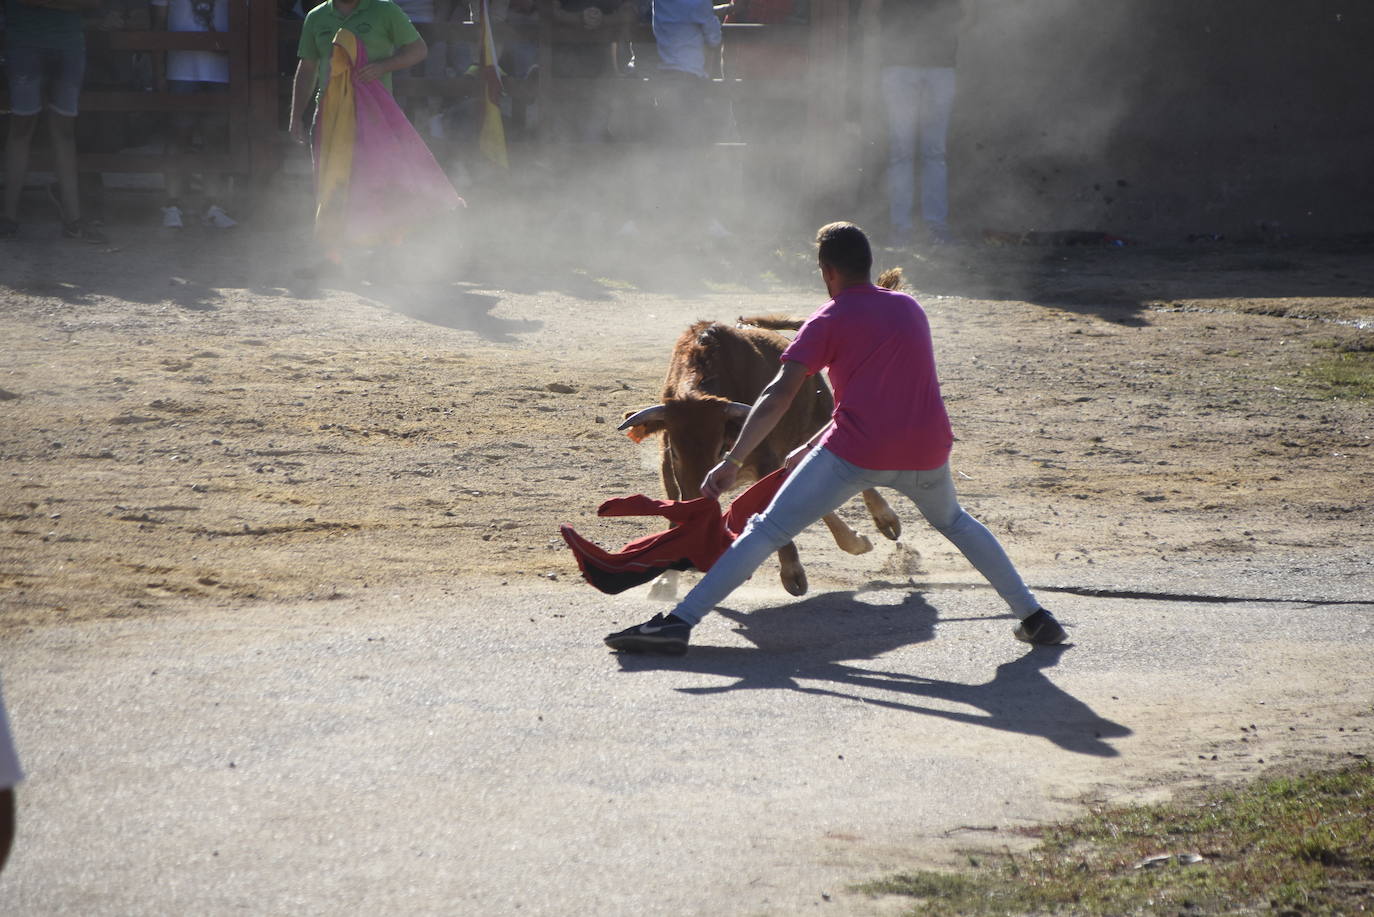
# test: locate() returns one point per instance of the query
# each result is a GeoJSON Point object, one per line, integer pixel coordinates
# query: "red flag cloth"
{"type": "Point", "coordinates": [701, 534]}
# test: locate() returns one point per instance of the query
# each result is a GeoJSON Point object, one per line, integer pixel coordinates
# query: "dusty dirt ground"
{"type": "Point", "coordinates": [186, 419]}
{"type": "Point", "coordinates": [189, 425]}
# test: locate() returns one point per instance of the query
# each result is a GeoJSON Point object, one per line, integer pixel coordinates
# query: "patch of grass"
{"type": "Point", "coordinates": [1299, 845]}
{"type": "Point", "coordinates": [1344, 374]}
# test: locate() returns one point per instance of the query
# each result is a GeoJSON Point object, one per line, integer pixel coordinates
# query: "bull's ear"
{"type": "Point", "coordinates": [645, 428]}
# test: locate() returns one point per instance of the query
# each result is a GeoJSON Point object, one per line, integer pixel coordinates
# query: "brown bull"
{"type": "Point", "coordinates": [715, 374]}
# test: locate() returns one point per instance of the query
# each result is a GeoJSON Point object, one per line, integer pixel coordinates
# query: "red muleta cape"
{"type": "Point", "coordinates": [700, 534]}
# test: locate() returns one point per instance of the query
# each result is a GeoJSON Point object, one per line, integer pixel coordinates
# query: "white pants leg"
{"type": "Point", "coordinates": [919, 102]}
{"type": "Point", "coordinates": [899, 90]}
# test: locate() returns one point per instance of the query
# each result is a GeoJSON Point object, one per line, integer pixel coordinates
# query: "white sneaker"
{"type": "Point", "coordinates": [716, 230]}
{"type": "Point", "coordinates": [171, 217]}
{"type": "Point", "coordinates": [217, 218]}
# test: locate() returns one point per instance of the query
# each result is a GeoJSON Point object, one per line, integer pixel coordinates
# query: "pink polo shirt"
{"type": "Point", "coordinates": [888, 411]}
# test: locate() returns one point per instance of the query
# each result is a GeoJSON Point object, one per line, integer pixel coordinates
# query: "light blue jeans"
{"type": "Point", "coordinates": [822, 483]}
{"type": "Point", "coordinates": [919, 102]}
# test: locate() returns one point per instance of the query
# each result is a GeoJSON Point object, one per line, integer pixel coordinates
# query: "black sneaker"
{"type": "Point", "coordinates": [8, 228]}
{"type": "Point", "coordinates": [659, 634]}
{"type": "Point", "coordinates": [1040, 628]}
{"type": "Point", "coordinates": [83, 232]}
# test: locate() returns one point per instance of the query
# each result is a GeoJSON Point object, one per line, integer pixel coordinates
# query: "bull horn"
{"type": "Point", "coordinates": [738, 409]}
{"type": "Point", "coordinates": [642, 417]}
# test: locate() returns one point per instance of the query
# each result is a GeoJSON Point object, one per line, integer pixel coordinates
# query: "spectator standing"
{"type": "Point", "coordinates": [45, 60]}
{"type": "Point", "coordinates": [188, 73]}
{"type": "Point", "coordinates": [918, 46]}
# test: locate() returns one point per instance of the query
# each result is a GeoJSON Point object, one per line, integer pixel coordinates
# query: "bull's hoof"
{"type": "Point", "coordinates": [859, 545]}
{"type": "Point", "coordinates": [796, 585]}
{"type": "Point", "coordinates": [890, 526]}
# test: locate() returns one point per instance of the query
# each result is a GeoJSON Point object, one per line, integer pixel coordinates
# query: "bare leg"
{"type": "Point", "coordinates": [175, 180]}
{"type": "Point", "coordinates": [62, 131]}
{"type": "Point", "coordinates": [17, 160]}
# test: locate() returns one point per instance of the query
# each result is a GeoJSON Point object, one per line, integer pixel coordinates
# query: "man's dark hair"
{"type": "Point", "coordinates": [844, 247]}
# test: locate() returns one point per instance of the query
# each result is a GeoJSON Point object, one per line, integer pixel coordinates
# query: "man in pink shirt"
{"type": "Point", "coordinates": [889, 429]}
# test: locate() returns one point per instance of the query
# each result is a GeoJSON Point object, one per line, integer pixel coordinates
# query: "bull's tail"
{"type": "Point", "coordinates": [771, 322]}
{"type": "Point", "coordinates": [891, 279]}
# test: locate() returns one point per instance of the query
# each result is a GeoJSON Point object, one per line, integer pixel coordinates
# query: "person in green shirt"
{"type": "Point", "coordinates": [390, 39]}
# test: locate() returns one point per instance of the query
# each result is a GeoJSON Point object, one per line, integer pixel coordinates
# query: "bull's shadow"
{"type": "Point", "coordinates": [808, 647]}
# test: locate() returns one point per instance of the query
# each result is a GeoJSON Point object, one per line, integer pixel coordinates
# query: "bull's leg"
{"type": "Point", "coordinates": [883, 516]}
{"type": "Point", "coordinates": [669, 477]}
{"type": "Point", "coordinates": [793, 574]}
{"type": "Point", "coordinates": [664, 589]}
{"type": "Point", "coordinates": [850, 541]}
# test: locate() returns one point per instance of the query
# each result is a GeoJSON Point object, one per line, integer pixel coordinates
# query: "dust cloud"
{"type": "Point", "coordinates": [1147, 121]}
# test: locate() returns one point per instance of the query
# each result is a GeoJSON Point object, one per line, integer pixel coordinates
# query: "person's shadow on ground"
{"type": "Point", "coordinates": [809, 647]}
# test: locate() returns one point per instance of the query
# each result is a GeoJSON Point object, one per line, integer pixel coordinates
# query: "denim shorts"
{"type": "Point", "coordinates": [36, 73]}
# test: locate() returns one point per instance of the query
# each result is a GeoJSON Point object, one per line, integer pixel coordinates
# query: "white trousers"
{"type": "Point", "coordinates": [919, 102]}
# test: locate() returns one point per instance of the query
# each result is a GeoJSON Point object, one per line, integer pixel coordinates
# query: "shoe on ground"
{"type": "Point", "coordinates": [217, 218]}
{"type": "Point", "coordinates": [8, 228]}
{"type": "Point", "coordinates": [82, 231]}
{"type": "Point", "coordinates": [171, 217]}
{"type": "Point", "coordinates": [660, 634]}
{"type": "Point", "coordinates": [1041, 629]}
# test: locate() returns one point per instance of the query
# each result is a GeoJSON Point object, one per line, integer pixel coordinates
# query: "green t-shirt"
{"type": "Point", "coordinates": [42, 27]}
{"type": "Point", "coordinates": [380, 24]}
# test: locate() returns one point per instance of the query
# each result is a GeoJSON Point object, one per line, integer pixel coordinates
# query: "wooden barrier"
{"type": "Point", "coordinates": [258, 92]}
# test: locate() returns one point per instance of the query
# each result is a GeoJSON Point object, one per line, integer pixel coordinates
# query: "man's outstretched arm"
{"type": "Point", "coordinates": [772, 403]}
